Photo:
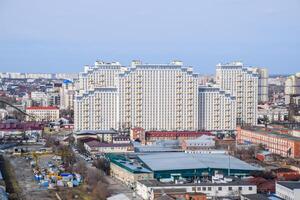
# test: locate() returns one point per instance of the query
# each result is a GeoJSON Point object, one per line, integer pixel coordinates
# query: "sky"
{"type": "Point", "coordinates": [63, 36]}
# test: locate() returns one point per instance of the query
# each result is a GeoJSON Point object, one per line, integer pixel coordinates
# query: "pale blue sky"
{"type": "Point", "coordinates": [63, 35]}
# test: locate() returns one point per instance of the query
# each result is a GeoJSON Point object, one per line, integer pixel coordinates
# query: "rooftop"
{"type": "Point", "coordinates": [181, 161]}
{"type": "Point", "coordinates": [272, 132]}
{"type": "Point", "coordinates": [176, 133]}
{"type": "Point", "coordinates": [42, 108]}
{"type": "Point", "coordinates": [95, 132]}
{"type": "Point", "coordinates": [95, 143]}
{"type": "Point", "coordinates": [290, 184]}
{"type": "Point", "coordinates": [255, 197]}
{"type": "Point", "coordinates": [155, 183]}
{"type": "Point", "coordinates": [21, 126]}
{"type": "Point", "coordinates": [127, 164]}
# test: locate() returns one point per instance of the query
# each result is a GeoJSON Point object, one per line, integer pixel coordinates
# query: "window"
{"type": "Point", "coordinates": [230, 188]}
{"type": "Point", "coordinates": [240, 188]}
{"type": "Point", "coordinates": [209, 188]}
{"type": "Point", "coordinates": [219, 188]}
{"type": "Point", "coordinates": [203, 188]}
{"type": "Point", "coordinates": [250, 188]}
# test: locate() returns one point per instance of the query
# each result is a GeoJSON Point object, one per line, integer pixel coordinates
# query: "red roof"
{"type": "Point", "coordinates": [42, 108]}
{"type": "Point", "coordinates": [176, 133]}
{"type": "Point", "coordinates": [95, 143]}
{"type": "Point", "coordinates": [21, 126]}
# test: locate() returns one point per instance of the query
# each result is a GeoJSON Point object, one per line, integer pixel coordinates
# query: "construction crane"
{"type": "Point", "coordinates": [36, 159]}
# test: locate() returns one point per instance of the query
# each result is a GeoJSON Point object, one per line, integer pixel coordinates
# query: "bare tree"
{"type": "Point", "coordinates": [67, 155]}
{"type": "Point", "coordinates": [102, 164]}
{"type": "Point", "coordinates": [93, 177]}
{"type": "Point", "coordinates": [100, 191]}
{"type": "Point", "coordinates": [80, 168]}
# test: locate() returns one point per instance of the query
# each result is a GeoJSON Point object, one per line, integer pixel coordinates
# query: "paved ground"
{"type": "Point", "coordinates": [30, 189]}
{"type": "Point", "coordinates": [116, 187]}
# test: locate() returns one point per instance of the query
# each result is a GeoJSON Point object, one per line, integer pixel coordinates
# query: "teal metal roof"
{"type": "Point", "coordinates": [127, 164]}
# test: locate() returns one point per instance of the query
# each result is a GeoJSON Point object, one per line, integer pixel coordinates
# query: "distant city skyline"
{"type": "Point", "coordinates": [62, 36]}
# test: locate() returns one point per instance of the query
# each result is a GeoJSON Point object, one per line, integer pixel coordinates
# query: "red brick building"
{"type": "Point", "coordinates": [274, 140]}
{"type": "Point", "coordinates": [152, 136]}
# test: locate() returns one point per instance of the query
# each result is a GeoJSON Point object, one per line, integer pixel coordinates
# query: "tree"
{"type": "Point", "coordinates": [67, 155]}
{"type": "Point", "coordinates": [80, 168]}
{"type": "Point", "coordinates": [100, 191]}
{"type": "Point", "coordinates": [102, 164]}
{"type": "Point", "coordinates": [93, 177]}
{"type": "Point", "coordinates": [68, 114]}
{"type": "Point", "coordinates": [51, 141]}
{"type": "Point", "coordinates": [71, 140]}
{"type": "Point", "coordinates": [81, 147]}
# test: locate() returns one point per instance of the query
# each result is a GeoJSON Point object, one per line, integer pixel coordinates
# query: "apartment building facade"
{"type": "Point", "coordinates": [158, 97]}
{"type": "Point", "coordinates": [242, 83]}
{"type": "Point", "coordinates": [263, 77]}
{"type": "Point", "coordinates": [96, 109]}
{"type": "Point", "coordinates": [150, 96]}
{"type": "Point", "coordinates": [217, 109]}
{"type": "Point", "coordinates": [292, 87]}
{"type": "Point", "coordinates": [67, 95]}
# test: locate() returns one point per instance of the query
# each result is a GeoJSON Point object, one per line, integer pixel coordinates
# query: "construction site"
{"type": "Point", "coordinates": [38, 173]}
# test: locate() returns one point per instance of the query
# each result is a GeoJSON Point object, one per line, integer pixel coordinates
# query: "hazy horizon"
{"type": "Point", "coordinates": [62, 36]}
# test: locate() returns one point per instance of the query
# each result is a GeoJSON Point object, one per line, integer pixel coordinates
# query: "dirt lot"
{"type": "Point", "coordinates": [30, 189]}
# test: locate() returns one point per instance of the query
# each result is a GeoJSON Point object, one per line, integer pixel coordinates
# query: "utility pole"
{"type": "Point", "coordinates": [228, 161]}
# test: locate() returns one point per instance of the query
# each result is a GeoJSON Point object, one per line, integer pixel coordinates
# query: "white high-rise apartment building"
{"type": "Point", "coordinates": [292, 87]}
{"type": "Point", "coordinates": [263, 88]}
{"type": "Point", "coordinates": [242, 83]}
{"type": "Point", "coordinates": [96, 109]}
{"type": "Point", "coordinates": [158, 97]}
{"type": "Point", "coordinates": [217, 109]}
{"type": "Point", "coordinates": [67, 95]}
{"type": "Point", "coordinates": [100, 75]}
{"type": "Point", "coordinates": [97, 100]}
{"type": "Point", "coordinates": [151, 96]}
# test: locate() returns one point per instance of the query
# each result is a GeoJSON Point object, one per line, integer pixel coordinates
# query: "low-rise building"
{"type": "Point", "coordinates": [264, 156]}
{"type": "Point", "coordinates": [121, 139]}
{"type": "Point", "coordinates": [17, 129]}
{"type": "Point", "coordinates": [150, 137]}
{"type": "Point", "coordinates": [103, 136]}
{"type": "Point", "coordinates": [177, 165]}
{"type": "Point", "coordinates": [274, 140]}
{"type": "Point", "coordinates": [127, 171]}
{"type": "Point", "coordinates": [173, 194]}
{"type": "Point", "coordinates": [147, 188]}
{"type": "Point", "coordinates": [95, 147]}
{"type": "Point", "coordinates": [273, 114]}
{"type": "Point", "coordinates": [288, 190]}
{"type": "Point", "coordinates": [3, 113]}
{"type": "Point", "coordinates": [203, 142]}
{"type": "Point", "coordinates": [258, 197]}
{"type": "Point", "coordinates": [136, 133]}
{"type": "Point", "coordinates": [48, 113]}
